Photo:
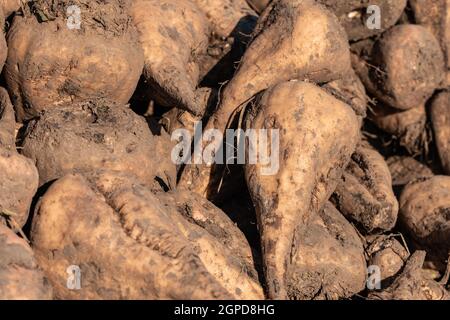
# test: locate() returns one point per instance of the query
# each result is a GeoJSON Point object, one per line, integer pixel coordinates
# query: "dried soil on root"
{"type": "Point", "coordinates": [98, 135]}
{"type": "Point", "coordinates": [108, 18]}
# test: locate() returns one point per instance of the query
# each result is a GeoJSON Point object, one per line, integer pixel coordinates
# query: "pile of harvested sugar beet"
{"type": "Point", "coordinates": [225, 149]}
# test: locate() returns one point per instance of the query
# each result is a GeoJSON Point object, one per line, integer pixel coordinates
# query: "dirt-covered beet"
{"type": "Point", "coordinates": [412, 284]}
{"type": "Point", "coordinates": [258, 5]}
{"type": "Point", "coordinates": [290, 192]}
{"type": "Point", "coordinates": [386, 255]}
{"type": "Point", "coordinates": [316, 52]}
{"type": "Point", "coordinates": [435, 16]}
{"type": "Point", "coordinates": [53, 60]}
{"type": "Point", "coordinates": [364, 194]}
{"type": "Point", "coordinates": [440, 117]}
{"type": "Point", "coordinates": [174, 34]}
{"type": "Point", "coordinates": [425, 215]}
{"type": "Point", "coordinates": [224, 15]}
{"type": "Point", "coordinates": [20, 276]}
{"type": "Point", "coordinates": [203, 213]}
{"type": "Point", "coordinates": [7, 7]}
{"type": "Point", "coordinates": [98, 135]}
{"type": "Point", "coordinates": [133, 244]}
{"type": "Point", "coordinates": [406, 169]}
{"type": "Point", "coordinates": [407, 127]}
{"type": "Point", "coordinates": [18, 175]}
{"type": "Point", "coordinates": [329, 261]}
{"type": "Point", "coordinates": [350, 90]}
{"type": "Point", "coordinates": [356, 16]}
{"type": "Point", "coordinates": [405, 66]}
{"type": "Point", "coordinates": [231, 25]}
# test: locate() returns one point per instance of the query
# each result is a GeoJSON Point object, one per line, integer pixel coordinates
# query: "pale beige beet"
{"type": "Point", "coordinates": [435, 15]}
{"type": "Point", "coordinates": [131, 243]}
{"type": "Point", "coordinates": [406, 169]}
{"type": "Point", "coordinates": [6, 8]}
{"type": "Point", "coordinates": [231, 26]}
{"type": "Point", "coordinates": [424, 215]}
{"type": "Point", "coordinates": [98, 135]}
{"type": "Point", "coordinates": [173, 34]}
{"type": "Point", "coordinates": [20, 276]}
{"type": "Point", "coordinates": [387, 254]}
{"type": "Point", "coordinates": [18, 175]}
{"type": "Point", "coordinates": [404, 67]}
{"type": "Point", "coordinates": [350, 90]}
{"type": "Point", "coordinates": [258, 5]}
{"type": "Point", "coordinates": [317, 51]}
{"type": "Point", "coordinates": [9, 6]}
{"type": "Point", "coordinates": [329, 261]}
{"type": "Point", "coordinates": [356, 18]}
{"type": "Point", "coordinates": [408, 127]}
{"type": "Point", "coordinates": [364, 194]}
{"type": "Point", "coordinates": [313, 152]}
{"type": "Point", "coordinates": [440, 118]}
{"type": "Point", "coordinates": [50, 64]}
{"type": "Point", "coordinates": [412, 284]}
